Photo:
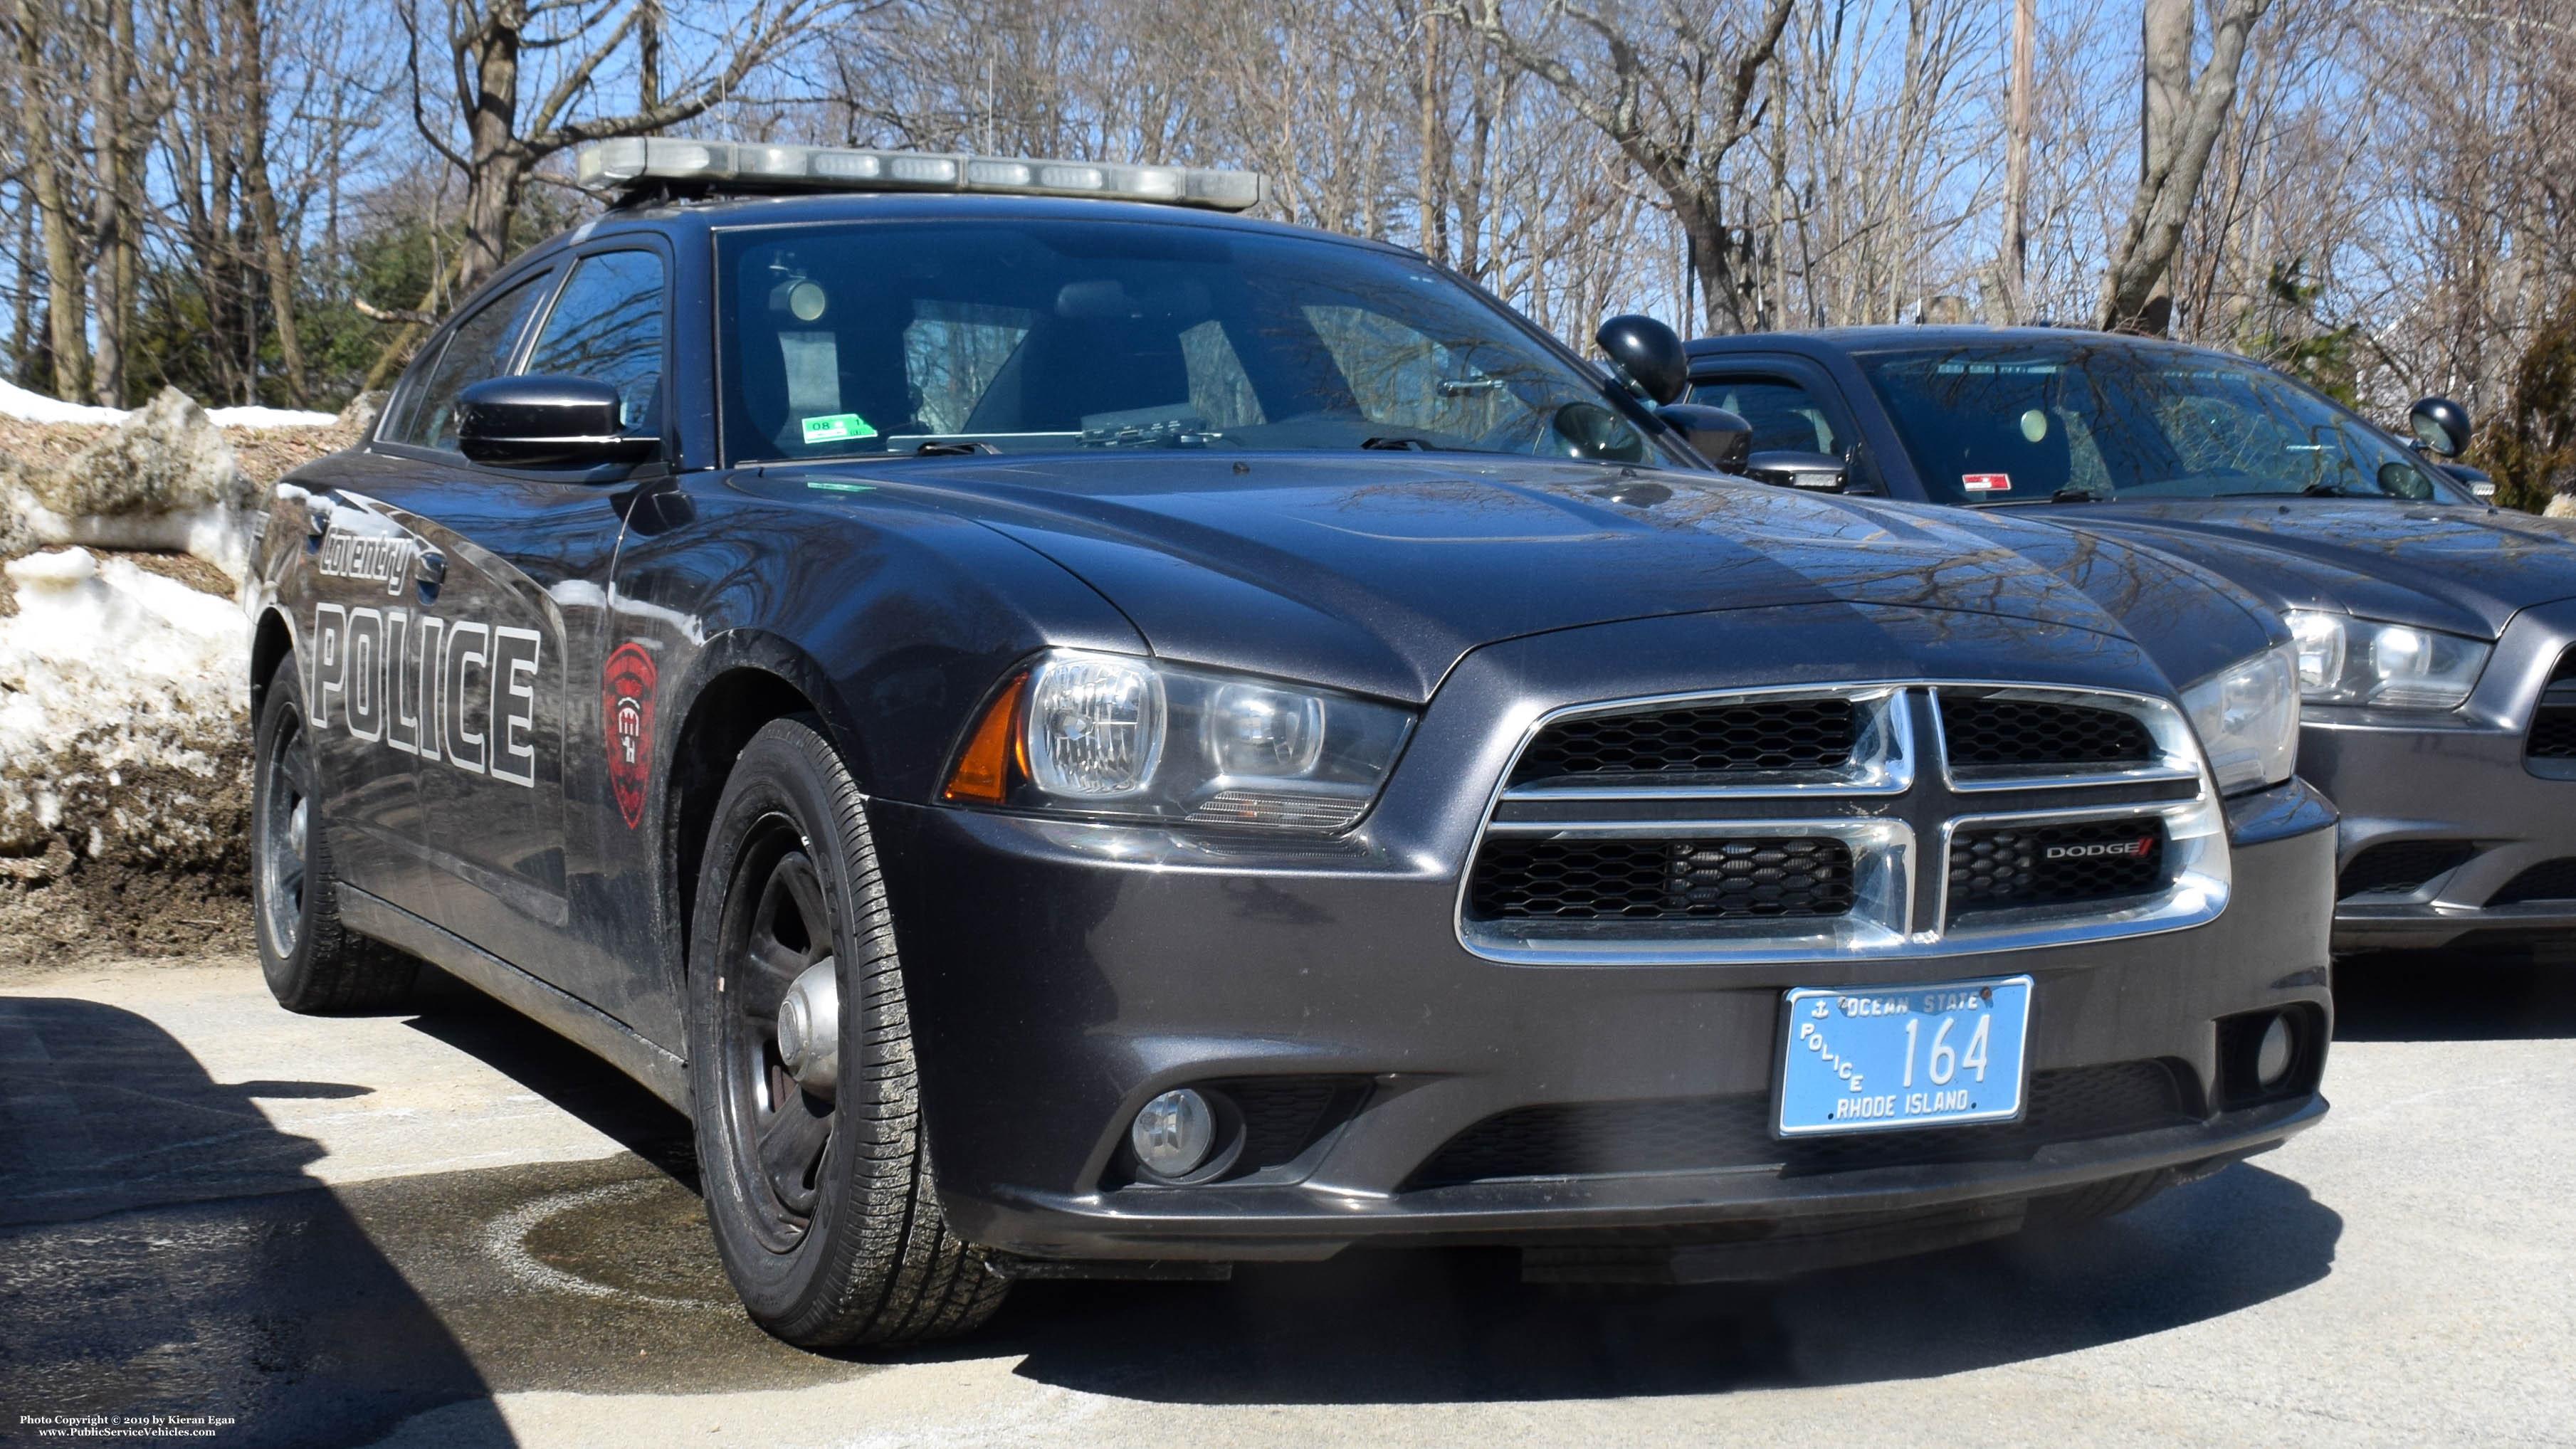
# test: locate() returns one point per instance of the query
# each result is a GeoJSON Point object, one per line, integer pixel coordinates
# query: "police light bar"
{"type": "Point", "coordinates": [634, 160]}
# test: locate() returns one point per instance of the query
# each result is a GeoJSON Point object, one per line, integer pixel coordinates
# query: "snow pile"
{"type": "Point", "coordinates": [258, 417]}
{"type": "Point", "coordinates": [164, 478]}
{"type": "Point", "coordinates": [35, 407]}
{"type": "Point", "coordinates": [123, 720]}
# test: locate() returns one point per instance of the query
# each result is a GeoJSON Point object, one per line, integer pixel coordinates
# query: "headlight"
{"type": "Point", "coordinates": [1116, 736]}
{"type": "Point", "coordinates": [2343, 660]}
{"type": "Point", "coordinates": [2248, 718]}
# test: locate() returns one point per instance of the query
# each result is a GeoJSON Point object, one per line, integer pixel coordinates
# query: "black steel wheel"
{"type": "Point", "coordinates": [816, 1168]}
{"type": "Point", "coordinates": [776, 928]}
{"type": "Point", "coordinates": [312, 962]}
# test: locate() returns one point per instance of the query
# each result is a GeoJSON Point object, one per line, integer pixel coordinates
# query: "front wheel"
{"type": "Point", "coordinates": [312, 962]}
{"type": "Point", "coordinates": [817, 1172]}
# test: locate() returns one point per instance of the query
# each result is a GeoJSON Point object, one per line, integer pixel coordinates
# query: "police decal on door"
{"type": "Point", "coordinates": [452, 689]}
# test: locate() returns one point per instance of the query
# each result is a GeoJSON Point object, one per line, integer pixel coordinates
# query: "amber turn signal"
{"type": "Point", "coordinates": [982, 775]}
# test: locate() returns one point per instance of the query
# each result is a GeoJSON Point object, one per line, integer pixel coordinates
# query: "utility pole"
{"type": "Point", "coordinates": [2016, 257]}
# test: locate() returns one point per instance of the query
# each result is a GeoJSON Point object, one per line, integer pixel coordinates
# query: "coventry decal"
{"type": "Point", "coordinates": [369, 558]}
{"type": "Point", "coordinates": [443, 689]}
{"type": "Point", "coordinates": [626, 711]}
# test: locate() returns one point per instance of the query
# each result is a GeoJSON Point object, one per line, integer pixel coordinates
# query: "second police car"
{"type": "Point", "coordinates": [1080, 734]}
{"type": "Point", "coordinates": [2437, 633]}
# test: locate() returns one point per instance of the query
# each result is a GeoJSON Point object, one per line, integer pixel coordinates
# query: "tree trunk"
{"type": "Point", "coordinates": [111, 82]}
{"type": "Point", "coordinates": [22, 319]}
{"type": "Point", "coordinates": [1431, 136]}
{"type": "Point", "coordinates": [2136, 296]}
{"type": "Point", "coordinates": [67, 326]}
{"type": "Point", "coordinates": [275, 260]}
{"type": "Point", "coordinates": [2164, 97]}
{"type": "Point", "coordinates": [499, 170]}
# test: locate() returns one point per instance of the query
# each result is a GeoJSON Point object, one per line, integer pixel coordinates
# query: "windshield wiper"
{"type": "Point", "coordinates": [952, 448]}
{"type": "Point", "coordinates": [2072, 494]}
{"type": "Point", "coordinates": [1401, 445]}
{"type": "Point", "coordinates": [2324, 490]}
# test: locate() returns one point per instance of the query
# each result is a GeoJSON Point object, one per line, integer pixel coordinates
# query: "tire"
{"type": "Point", "coordinates": [825, 1212]}
{"type": "Point", "coordinates": [2095, 1202]}
{"type": "Point", "coordinates": [313, 964]}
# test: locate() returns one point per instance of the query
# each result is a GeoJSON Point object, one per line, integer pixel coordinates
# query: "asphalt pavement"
{"type": "Point", "coordinates": [446, 1227]}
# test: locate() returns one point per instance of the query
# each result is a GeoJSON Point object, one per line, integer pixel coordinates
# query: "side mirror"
{"type": "Point", "coordinates": [2473, 479]}
{"type": "Point", "coordinates": [1647, 356]}
{"type": "Point", "coordinates": [2440, 425]}
{"type": "Point", "coordinates": [1714, 433]}
{"type": "Point", "coordinates": [547, 422]}
{"type": "Point", "coordinates": [1808, 472]}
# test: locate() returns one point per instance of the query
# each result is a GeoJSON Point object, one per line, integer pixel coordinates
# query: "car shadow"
{"type": "Point", "coordinates": [171, 1255]}
{"type": "Point", "coordinates": [1456, 1325]}
{"type": "Point", "coordinates": [2454, 996]}
{"type": "Point", "coordinates": [579, 1083]}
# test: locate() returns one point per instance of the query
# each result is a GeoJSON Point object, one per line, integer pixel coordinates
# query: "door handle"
{"type": "Point", "coordinates": [431, 567]}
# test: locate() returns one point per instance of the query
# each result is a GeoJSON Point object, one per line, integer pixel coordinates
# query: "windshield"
{"type": "Point", "coordinates": [2018, 423]}
{"type": "Point", "coordinates": [897, 337]}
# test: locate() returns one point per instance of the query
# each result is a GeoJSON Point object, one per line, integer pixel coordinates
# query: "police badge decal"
{"type": "Point", "coordinates": [626, 721]}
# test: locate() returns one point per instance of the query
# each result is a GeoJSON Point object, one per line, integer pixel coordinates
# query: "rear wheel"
{"type": "Point", "coordinates": [817, 1171]}
{"type": "Point", "coordinates": [312, 962]}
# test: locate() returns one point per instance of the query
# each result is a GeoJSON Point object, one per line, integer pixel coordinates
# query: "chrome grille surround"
{"type": "Point", "coordinates": [1897, 817]}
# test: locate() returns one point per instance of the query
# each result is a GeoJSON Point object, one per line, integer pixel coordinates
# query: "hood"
{"type": "Point", "coordinates": [2462, 570]}
{"type": "Point", "coordinates": [1377, 573]}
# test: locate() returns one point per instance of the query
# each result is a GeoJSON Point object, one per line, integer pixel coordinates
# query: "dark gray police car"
{"type": "Point", "coordinates": [1228, 744]}
{"type": "Point", "coordinates": [2437, 634]}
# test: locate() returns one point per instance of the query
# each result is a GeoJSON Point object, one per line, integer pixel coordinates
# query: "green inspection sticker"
{"type": "Point", "coordinates": [837, 428]}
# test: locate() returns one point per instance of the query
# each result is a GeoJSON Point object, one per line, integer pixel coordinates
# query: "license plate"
{"type": "Point", "coordinates": [1866, 1059]}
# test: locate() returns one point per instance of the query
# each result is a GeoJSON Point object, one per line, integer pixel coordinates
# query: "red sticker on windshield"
{"type": "Point", "coordinates": [1988, 482]}
{"type": "Point", "coordinates": [626, 718]}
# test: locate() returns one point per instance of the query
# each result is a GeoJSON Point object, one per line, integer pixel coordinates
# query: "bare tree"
{"type": "Point", "coordinates": [1673, 86]}
{"type": "Point", "coordinates": [2179, 121]}
{"type": "Point", "coordinates": [525, 78]}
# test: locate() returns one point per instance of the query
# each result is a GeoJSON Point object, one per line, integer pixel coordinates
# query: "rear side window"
{"type": "Point", "coordinates": [479, 348]}
{"type": "Point", "coordinates": [607, 326]}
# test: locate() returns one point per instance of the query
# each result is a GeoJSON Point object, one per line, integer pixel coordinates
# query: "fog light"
{"type": "Point", "coordinates": [2272, 1058]}
{"type": "Point", "coordinates": [1174, 1133]}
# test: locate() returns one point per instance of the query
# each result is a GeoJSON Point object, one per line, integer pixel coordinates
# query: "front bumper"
{"type": "Point", "coordinates": [1042, 1031]}
{"type": "Point", "coordinates": [2463, 781]}
{"type": "Point", "coordinates": [1061, 975]}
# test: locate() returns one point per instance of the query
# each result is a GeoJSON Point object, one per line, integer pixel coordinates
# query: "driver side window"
{"type": "Point", "coordinates": [479, 348]}
{"type": "Point", "coordinates": [607, 326]}
{"type": "Point", "coordinates": [1785, 416]}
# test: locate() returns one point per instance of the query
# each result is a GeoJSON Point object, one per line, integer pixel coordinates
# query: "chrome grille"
{"type": "Point", "coordinates": [1806, 823]}
{"type": "Point", "coordinates": [1588, 879]}
{"type": "Point", "coordinates": [1711, 739]}
{"type": "Point", "coordinates": [2004, 867]}
{"type": "Point", "coordinates": [2040, 734]}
